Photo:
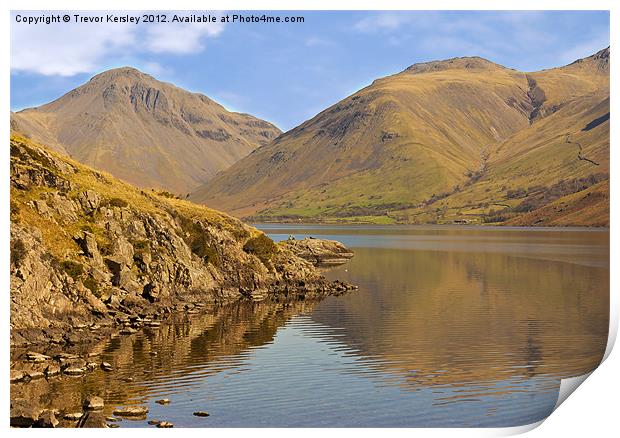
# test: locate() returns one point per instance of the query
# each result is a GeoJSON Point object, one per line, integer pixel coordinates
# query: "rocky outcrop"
{"type": "Point", "coordinates": [89, 253]}
{"type": "Point", "coordinates": [319, 252]}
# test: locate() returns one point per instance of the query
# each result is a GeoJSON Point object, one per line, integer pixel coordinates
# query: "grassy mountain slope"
{"type": "Point", "coordinates": [438, 142]}
{"type": "Point", "coordinates": [146, 132]}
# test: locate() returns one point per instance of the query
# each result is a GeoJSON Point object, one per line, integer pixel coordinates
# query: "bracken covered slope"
{"type": "Point", "coordinates": [87, 248]}
{"type": "Point", "coordinates": [146, 132]}
{"type": "Point", "coordinates": [445, 141]}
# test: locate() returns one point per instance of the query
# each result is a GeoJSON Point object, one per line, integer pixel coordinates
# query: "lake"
{"type": "Point", "coordinates": [450, 327]}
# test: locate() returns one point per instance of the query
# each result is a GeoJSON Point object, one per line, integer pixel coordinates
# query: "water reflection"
{"type": "Point", "coordinates": [437, 335]}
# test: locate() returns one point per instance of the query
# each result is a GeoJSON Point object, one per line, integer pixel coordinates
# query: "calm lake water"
{"type": "Point", "coordinates": [451, 326]}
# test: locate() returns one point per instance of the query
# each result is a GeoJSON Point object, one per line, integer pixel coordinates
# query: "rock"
{"type": "Point", "coordinates": [113, 425]}
{"type": "Point", "coordinates": [113, 419]}
{"type": "Point", "coordinates": [35, 375]}
{"type": "Point", "coordinates": [105, 366]}
{"type": "Point", "coordinates": [18, 376]}
{"type": "Point", "coordinates": [163, 401]}
{"type": "Point", "coordinates": [93, 403]}
{"type": "Point", "coordinates": [23, 414]}
{"type": "Point", "coordinates": [90, 200]}
{"type": "Point", "coordinates": [93, 419]}
{"type": "Point", "coordinates": [319, 252]}
{"type": "Point", "coordinates": [154, 422]}
{"type": "Point", "coordinates": [74, 371]}
{"type": "Point", "coordinates": [201, 414]}
{"type": "Point", "coordinates": [32, 356]}
{"type": "Point", "coordinates": [47, 418]}
{"type": "Point", "coordinates": [128, 331]}
{"type": "Point", "coordinates": [91, 366]}
{"type": "Point", "coordinates": [131, 411]}
{"type": "Point", "coordinates": [73, 416]}
{"type": "Point", "coordinates": [51, 371]}
{"type": "Point", "coordinates": [165, 424]}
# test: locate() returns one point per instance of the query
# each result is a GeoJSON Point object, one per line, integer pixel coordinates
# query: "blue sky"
{"type": "Point", "coordinates": [288, 72]}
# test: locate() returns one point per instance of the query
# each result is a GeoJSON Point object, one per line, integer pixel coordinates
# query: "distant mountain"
{"type": "Point", "coordinates": [459, 140]}
{"type": "Point", "coordinates": [147, 132]}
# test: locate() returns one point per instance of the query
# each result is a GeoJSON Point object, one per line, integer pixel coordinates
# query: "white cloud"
{"type": "Point", "coordinates": [65, 50]}
{"type": "Point", "coordinates": [61, 49]}
{"type": "Point", "coordinates": [180, 38]}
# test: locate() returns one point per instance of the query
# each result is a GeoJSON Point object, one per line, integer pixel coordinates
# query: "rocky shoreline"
{"type": "Point", "coordinates": [93, 258]}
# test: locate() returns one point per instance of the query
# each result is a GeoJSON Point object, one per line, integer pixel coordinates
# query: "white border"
{"type": "Point", "coordinates": [592, 411]}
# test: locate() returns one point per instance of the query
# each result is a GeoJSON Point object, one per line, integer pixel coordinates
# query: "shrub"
{"type": "Point", "coordinates": [118, 202]}
{"type": "Point", "coordinates": [73, 269]}
{"type": "Point", "coordinates": [18, 251]}
{"type": "Point", "coordinates": [90, 283]}
{"type": "Point", "coordinates": [140, 245]}
{"type": "Point", "coordinates": [262, 247]}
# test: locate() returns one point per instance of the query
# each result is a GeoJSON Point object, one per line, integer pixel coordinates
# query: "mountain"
{"type": "Point", "coordinates": [146, 132]}
{"type": "Point", "coordinates": [459, 140]}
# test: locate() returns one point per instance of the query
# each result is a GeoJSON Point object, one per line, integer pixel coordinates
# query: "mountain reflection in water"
{"type": "Point", "coordinates": [450, 327]}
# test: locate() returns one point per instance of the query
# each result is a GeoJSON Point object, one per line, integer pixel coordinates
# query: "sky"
{"type": "Point", "coordinates": [288, 72]}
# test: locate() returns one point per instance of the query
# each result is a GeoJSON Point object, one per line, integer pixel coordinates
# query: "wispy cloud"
{"type": "Point", "coordinates": [60, 49]}
{"type": "Point", "coordinates": [315, 41]}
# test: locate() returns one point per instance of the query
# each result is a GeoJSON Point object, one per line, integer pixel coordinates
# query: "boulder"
{"type": "Point", "coordinates": [47, 418]}
{"type": "Point", "coordinates": [319, 252]}
{"type": "Point", "coordinates": [23, 413]}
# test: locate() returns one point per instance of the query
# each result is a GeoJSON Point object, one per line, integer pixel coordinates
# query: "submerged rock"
{"type": "Point", "coordinates": [201, 414]}
{"type": "Point", "coordinates": [163, 401]}
{"type": "Point", "coordinates": [319, 252]}
{"type": "Point", "coordinates": [165, 424]}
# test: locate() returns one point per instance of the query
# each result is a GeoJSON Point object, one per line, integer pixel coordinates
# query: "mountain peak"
{"type": "Point", "coordinates": [600, 60]}
{"type": "Point", "coordinates": [467, 62]}
{"type": "Point", "coordinates": [121, 72]}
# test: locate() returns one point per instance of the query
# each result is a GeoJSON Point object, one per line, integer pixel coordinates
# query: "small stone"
{"type": "Point", "coordinates": [113, 425]}
{"type": "Point", "coordinates": [163, 401]}
{"type": "Point", "coordinates": [154, 422]}
{"type": "Point", "coordinates": [91, 366]}
{"type": "Point", "coordinates": [51, 371]}
{"type": "Point", "coordinates": [47, 418]}
{"type": "Point", "coordinates": [128, 331]}
{"type": "Point", "coordinates": [106, 366]}
{"type": "Point", "coordinates": [18, 376]}
{"type": "Point", "coordinates": [73, 416]}
{"type": "Point", "coordinates": [165, 424]}
{"type": "Point", "coordinates": [131, 411]}
{"type": "Point", "coordinates": [113, 419]}
{"type": "Point", "coordinates": [73, 371]}
{"type": "Point", "coordinates": [93, 403]}
{"type": "Point", "coordinates": [201, 414]}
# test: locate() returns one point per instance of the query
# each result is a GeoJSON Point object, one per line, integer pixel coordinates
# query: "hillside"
{"type": "Point", "coordinates": [90, 250]}
{"type": "Point", "coordinates": [146, 132]}
{"type": "Point", "coordinates": [441, 142]}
